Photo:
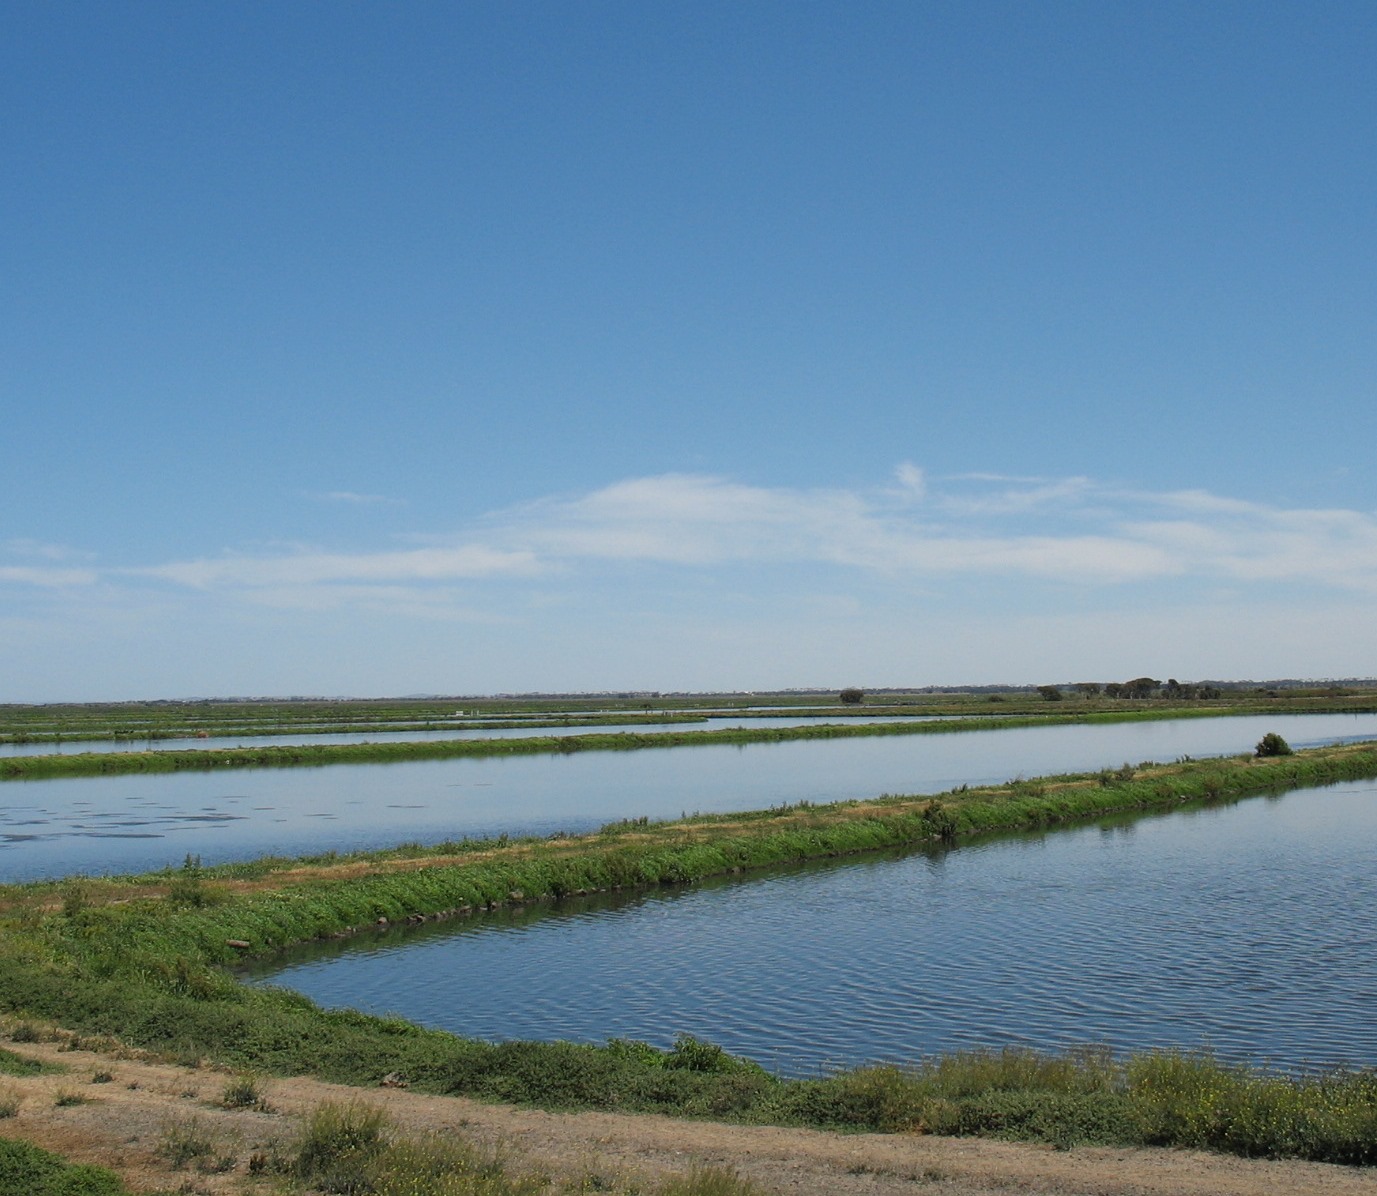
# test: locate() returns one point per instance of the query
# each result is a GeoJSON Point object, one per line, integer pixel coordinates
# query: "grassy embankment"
{"type": "Point", "coordinates": [143, 959]}
{"type": "Point", "coordinates": [317, 755]}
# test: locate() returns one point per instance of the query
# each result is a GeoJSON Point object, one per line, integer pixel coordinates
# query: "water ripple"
{"type": "Point", "coordinates": [1250, 929]}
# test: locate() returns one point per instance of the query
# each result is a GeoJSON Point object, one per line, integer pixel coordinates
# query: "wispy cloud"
{"type": "Point", "coordinates": [914, 530]}
{"type": "Point", "coordinates": [51, 578]}
{"type": "Point", "coordinates": [304, 568]}
{"type": "Point", "coordinates": [30, 549]}
{"type": "Point", "coordinates": [1013, 496]}
{"type": "Point", "coordinates": [1072, 530]}
{"type": "Point", "coordinates": [352, 497]}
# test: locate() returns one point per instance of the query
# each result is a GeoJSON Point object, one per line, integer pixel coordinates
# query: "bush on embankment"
{"type": "Point", "coordinates": [147, 970]}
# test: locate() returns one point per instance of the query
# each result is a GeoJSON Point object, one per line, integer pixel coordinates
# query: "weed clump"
{"type": "Point", "coordinates": [709, 1181]}
{"type": "Point", "coordinates": [244, 1092]}
{"type": "Point", "coordinates": [340, 1146]}
{"type": "Point", "coordinates": [192, 1143]}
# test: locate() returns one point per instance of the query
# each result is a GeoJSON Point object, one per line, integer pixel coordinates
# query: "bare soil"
{"type": "Point", "coordinates": [126, 1121]}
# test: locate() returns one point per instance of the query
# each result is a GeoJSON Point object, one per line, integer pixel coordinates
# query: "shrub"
{"type": "Point", "coordinates": [188, 1141]}
{"type": "Point", "coordinates": [693, 1054]}
{"type": "Point", "coordinates": [1272, 744]}
{"type": "Point", "coordinates": [243, 1092]}
{"type": "Point", "coordinates": [339, 1147]}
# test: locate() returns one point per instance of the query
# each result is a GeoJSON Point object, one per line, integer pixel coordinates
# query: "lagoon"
{"type": "Point", "coordinates": [136, 822]}
{"type": "Point", "coordinates": [1248, 928]}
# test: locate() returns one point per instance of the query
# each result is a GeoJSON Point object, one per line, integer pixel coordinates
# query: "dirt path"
{"type": "Point", "coordinates": [125, 1119]}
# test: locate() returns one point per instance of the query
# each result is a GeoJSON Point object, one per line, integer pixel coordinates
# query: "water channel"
{"type": "Point", "coordinates": [1249, 929]}
{"type": "Point", "coordinates": [101, 825]}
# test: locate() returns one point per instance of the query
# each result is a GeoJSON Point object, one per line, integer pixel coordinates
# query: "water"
{"type": "Point", "coordinates": [1249, 929]}
{"type": "Point", "coordinates": [74, 747]}
{"type": "Point", "coordinates": [99, 825]}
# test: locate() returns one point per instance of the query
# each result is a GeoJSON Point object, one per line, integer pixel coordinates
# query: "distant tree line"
{"type": "Point", "coordinates": [1138, 688]}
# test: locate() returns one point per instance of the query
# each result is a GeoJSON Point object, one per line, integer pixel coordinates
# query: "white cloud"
{"type": "Point", "coordinates": [687, 580]}
{"type": "Point", "coordinates": [702, 520]}
{"type": "Point", "coordinates": [435, 603]}
{"type": "Point", "coordinates": [1023, 495]}
{"type": "Point", "coordinates": [691, 520]}
{"type": "Point", "coordinates": [310, 568]}
{"type": "Point", "coordinates": [911, 479]}
{"type": "Point", "coordinates": [1071, 531]}
{"type": "Point", "coordinates": [23, 546]}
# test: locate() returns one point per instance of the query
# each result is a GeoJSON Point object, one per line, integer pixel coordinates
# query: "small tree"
{"type": "Point", "coordinates": [1050, 693]}
{"type": "Point", "coordinates": [1140, 687]}
{"type": "Point", "coordinates": [1273, 744]}
{"type": "Point", "coordinates": [851, 696]}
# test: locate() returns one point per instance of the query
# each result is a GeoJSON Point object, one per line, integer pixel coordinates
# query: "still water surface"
{"type": "Point", "coordinates": [100, 825]}
{"type": "Point", "coordinates": [1249, 928]}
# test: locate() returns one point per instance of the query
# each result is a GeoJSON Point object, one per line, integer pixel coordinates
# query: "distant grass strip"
{"type": "Point", "coordinates": [458, 726]}
{"type": "Point", "coordinates": [142, 959]}
{"type": "Point", "coordinates": [318, 755]}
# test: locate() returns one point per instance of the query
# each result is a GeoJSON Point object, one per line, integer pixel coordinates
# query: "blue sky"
{"type": "Point", "coordinates": [473, 347]}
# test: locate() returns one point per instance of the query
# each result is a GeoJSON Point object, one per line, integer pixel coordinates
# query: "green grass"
{"type": "Point", "coordinates": [144, 960]}
{"type": "Point", "coordinates": [25, 1170]}
{"type": "Point", "coordinates": [12, 1064]}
